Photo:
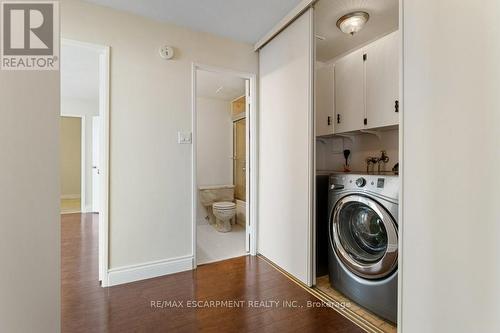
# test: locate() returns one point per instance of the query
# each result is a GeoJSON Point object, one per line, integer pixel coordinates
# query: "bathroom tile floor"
{"type": "Point", "coordinates": [215, 246]}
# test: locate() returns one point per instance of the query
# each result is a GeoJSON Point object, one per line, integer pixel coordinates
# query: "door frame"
{"type": "Point", "coordinates": [401, 164]}
{"type": "Point", "coordinates": [104, 91]}
{"type": "Point", "coordinates": [234, 120]}
{"type": "Point", "coordinates": [91, 204]}
{"type": "Point", "coordinates": [251, 160]}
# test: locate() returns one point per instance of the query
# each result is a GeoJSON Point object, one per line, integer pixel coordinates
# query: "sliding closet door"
{"type": "Point", "coordinates": [286, 149]}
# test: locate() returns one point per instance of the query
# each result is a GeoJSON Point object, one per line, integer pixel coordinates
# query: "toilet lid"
{"type": "Point", "coordinates": [224, 205]}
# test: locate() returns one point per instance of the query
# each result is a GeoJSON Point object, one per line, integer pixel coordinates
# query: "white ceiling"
{"type": "Point", "coordinates": [383, 19]}
{"type": "Point", "coordinates": [219, 86]}
{"type": "Point", "coordinates": [79, 73]}
{"type": "Point", "coordinates": [242, 20]}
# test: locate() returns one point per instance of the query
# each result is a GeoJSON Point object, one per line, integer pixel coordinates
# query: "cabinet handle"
{"type": "Point", "coordinates": [329, 120]}
{"type": "Point", "coordinates": [365, 121]}
{"type": "Point", "coordinates": [396, 106]}
{"type": "Point", "coordinates": [338, 119]}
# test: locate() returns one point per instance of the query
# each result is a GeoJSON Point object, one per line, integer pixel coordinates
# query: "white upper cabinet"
{"type": "Point", "coordinates": [382, 82]}
{"type": "Point", "coordinates": [324, 100]}
{"type": "Point", "coordinates": [349, 93]}
{"type": "Point", "coordinates": [366, 88]}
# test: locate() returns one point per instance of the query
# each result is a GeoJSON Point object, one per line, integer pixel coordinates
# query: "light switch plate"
{"type": "Point", "coordinates": [184, 138]}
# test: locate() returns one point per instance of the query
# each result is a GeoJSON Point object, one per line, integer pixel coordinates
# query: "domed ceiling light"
{"type": "Point", "coordinates": [353, 22]}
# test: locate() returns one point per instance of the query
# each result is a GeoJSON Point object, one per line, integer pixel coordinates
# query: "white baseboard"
{"type": "Point", "coordinates": [148, 270]}
{"type": "Point", "coordinates": [70, 196]}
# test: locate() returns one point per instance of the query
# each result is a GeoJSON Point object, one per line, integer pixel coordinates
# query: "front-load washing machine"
{"type": "Point", "coordinates": [363, 234]}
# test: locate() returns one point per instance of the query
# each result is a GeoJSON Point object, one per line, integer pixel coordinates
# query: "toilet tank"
{"type": "Point", "coordinates": [216, 193]}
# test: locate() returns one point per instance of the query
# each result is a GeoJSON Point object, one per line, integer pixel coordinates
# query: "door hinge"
{"type": "Point", "coordinates": [365, 56]}
{"type": "Point", "coordinates": [365, 121]}
{"type": "Point", "coordinates": [396, 106]}
{"type": "Point", "coordinates": [329, 120]}
{"type": "Point", "coordinates": [338, 118]}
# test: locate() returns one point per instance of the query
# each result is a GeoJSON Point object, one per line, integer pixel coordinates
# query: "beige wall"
{"type": "Point", "coordinates": [150, 174]}
{"type": "Point", "coordinates": [71, 156]}
{"type": "Point", "coordinates": [451, 182]}
{"type": "Point", "coordinates": [29, 202]}
{"type": "Point", "coordinates": [87, 109]}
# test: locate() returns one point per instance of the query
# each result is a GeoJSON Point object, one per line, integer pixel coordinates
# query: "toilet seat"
{"type": "Point", "coordinates": [224, 205]}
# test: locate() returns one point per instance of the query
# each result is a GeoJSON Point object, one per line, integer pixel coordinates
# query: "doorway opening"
{"type": "Point", "coordinates": [223, 184]}
{"type": "Point", "coordinates": [84, 143]}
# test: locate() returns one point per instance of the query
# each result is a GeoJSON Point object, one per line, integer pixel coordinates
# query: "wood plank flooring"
{"type": "Point", "coordinates": [86, 307]}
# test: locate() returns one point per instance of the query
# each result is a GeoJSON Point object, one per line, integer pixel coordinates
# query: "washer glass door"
{"type": "Point", "coordinates": [364, 236]}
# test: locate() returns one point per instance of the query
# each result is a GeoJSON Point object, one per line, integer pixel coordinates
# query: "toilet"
{"type": "Point", "coordinates": [218, 201]}
{"type": "Point", "coordinates": [224, 212]}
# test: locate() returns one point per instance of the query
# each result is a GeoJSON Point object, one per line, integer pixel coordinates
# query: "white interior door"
{"type": "Point", "coordinates": [286, 154]}
{"type": "Point", "coordinates": [95, 165]}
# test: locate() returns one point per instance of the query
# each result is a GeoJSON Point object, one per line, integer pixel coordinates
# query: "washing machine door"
{"type": "Point", "coordinates": [364, 236]}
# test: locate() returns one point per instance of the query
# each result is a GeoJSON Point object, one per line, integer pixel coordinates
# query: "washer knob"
{"type": "Point", "coordinates": [360, 182]}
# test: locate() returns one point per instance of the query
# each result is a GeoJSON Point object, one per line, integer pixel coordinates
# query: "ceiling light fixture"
{"type": "Point", "coordinates": [353, 22]}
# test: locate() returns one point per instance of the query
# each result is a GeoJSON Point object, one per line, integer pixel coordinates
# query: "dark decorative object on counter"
{"type": "Point", "coordinates": [395, 169]}
{"type": "Point", "coordinates": [347, 168]}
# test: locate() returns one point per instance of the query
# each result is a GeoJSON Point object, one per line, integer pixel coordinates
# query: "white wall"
{"type": "Point", "coordinates": [150, 174]}
{"type": "Point", "coordinates": [29, 202]}
{"type": "Point", "coordinates": [330, 156]}
{"type": "Point", "coordinates": [71, 156]}
{"type": "Point", "coordinates": [86, 108]}
{"type": "Point", "coordinates": [451, 119]}
{"type": "Point", "coordinates": [215, 144]}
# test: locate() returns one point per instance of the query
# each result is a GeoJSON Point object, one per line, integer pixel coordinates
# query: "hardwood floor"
{"type": "Point", "coordinates": [86, 307]}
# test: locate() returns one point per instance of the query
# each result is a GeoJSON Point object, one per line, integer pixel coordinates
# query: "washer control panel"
{"type": "Point", "coordinates": [360, 182]}
{"type": "Point", "coordinates": [387, 185]}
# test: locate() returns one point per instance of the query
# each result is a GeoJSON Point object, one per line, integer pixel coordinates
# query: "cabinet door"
{"type": "Point", "coordinates": [382, 82]}
{"type": "Point", "coordinates": [349, 94]}
{"type": "Point", "coordinates": [324, 101]}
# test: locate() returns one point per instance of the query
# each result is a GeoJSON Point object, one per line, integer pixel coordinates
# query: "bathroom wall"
{"type": "Point", "coordinates": [330, 156]}
{"type": "Point", "coordinates": [214, 144]}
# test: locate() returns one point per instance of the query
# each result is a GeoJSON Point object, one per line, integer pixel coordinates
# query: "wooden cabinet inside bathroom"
{"type": "Point", "coordinates": [238, 106]}
{"type": "Point", "coordinates": [363, 92]}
